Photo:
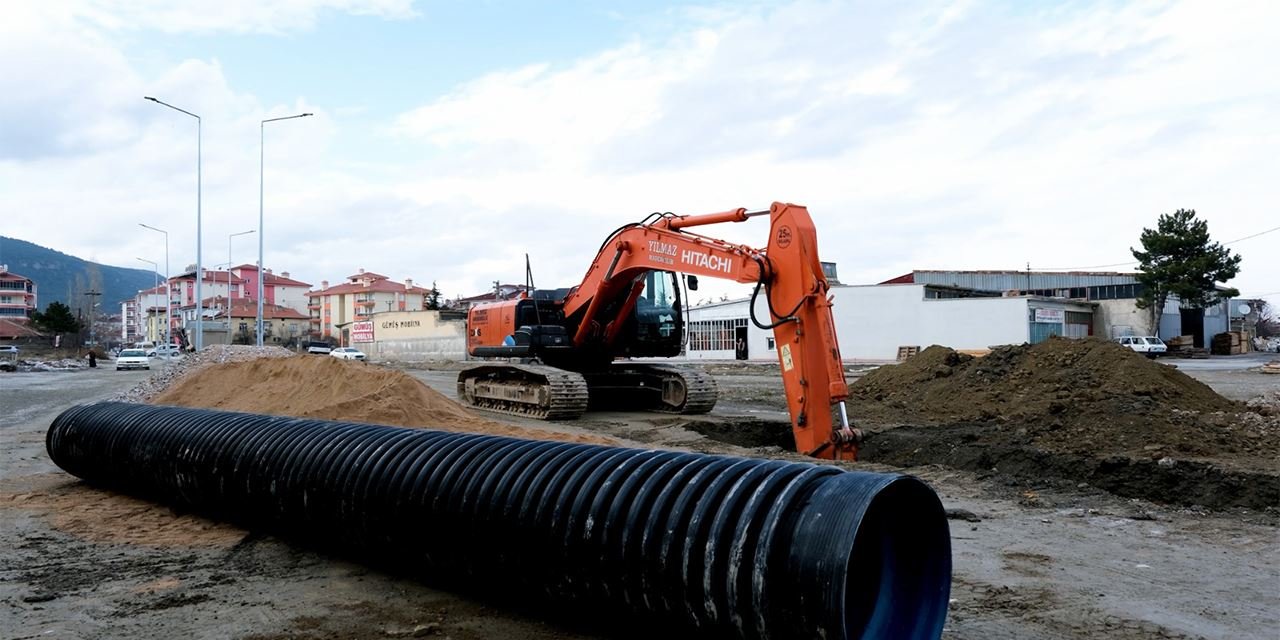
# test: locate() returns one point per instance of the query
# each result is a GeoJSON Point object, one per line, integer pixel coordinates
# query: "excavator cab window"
{"type": "Point", "coordinates": [658, 325]}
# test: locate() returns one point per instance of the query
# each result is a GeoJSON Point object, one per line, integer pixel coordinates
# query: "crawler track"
{"type": "Point", "coordinates": [701, 391]}
{"type": "Point", "coordinates": [548, 393]}
{"type": "Point", "coordinates": [530, 390]}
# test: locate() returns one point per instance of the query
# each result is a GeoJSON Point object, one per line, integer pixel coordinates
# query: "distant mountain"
{"type": "Point", "coordinates": [63, 278]}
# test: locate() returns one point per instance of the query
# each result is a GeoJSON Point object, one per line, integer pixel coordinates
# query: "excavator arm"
{"type": "Point", "coordinates": [795, 292]}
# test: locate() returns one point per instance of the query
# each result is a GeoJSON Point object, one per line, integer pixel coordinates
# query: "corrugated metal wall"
{"type": "Point", "coordinates": [1010, 280]}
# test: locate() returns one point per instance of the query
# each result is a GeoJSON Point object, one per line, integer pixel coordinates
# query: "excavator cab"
{"type": "Point", "coordinates": [656, 328]}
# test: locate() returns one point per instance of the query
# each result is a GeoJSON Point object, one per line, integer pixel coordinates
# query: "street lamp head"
{"type": "Point", "coordinates": [150, 98]}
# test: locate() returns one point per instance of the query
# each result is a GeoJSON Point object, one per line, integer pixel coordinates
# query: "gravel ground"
{"type": "Point", "coordinates": [1032, 559]}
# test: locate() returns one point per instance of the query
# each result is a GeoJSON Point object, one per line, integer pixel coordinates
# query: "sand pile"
{"type": "Point", "coordinates": [1079, 395]}
{"type": "Point", "coordinates": [332, 389]}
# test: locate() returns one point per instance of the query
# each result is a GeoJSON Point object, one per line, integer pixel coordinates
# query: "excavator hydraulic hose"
{"type": "Point", "coordinates": [728, 546]}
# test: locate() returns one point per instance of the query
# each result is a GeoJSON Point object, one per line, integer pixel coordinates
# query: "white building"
{"type": "Point", "coordinates": [872, 321]}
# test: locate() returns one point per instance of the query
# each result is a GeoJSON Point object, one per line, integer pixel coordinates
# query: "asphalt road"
{"type": "Point", "coordinates": [1223, 363]}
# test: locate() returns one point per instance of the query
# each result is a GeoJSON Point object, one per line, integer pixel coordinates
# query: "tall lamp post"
{"type": "Point", "coordinates": [168, 302]}
{"type": "Point", "coordinates": [155, 268]}
{"type": "Point", "coordinates": [242, 233]}
{"type": "Point", "coordinates": [93, 296]}
{"type": "Point", "coordinates": [262, 155]}
{"type": "Point", "coordinates": [199, 342]}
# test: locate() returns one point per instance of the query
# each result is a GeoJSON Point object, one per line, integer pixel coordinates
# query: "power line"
{"type": "Point", "coordinates": [1125, 264]}
{"type": "Point", "coordinates": [1260, 233]}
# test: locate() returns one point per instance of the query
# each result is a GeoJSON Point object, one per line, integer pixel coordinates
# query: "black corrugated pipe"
{"type": "Point", "coordinates": [730, 546]}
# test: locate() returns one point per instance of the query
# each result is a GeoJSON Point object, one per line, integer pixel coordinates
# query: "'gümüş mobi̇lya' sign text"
{"type": "Point", "coordinates": [362, 331]}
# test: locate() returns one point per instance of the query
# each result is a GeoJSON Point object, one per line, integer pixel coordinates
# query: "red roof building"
{"type": "Point", "coordinates": [17, 296]}
{"type": "Point", "coordinates": [357, 299]}
{"type": "Point", "coordinates": [280, 323]}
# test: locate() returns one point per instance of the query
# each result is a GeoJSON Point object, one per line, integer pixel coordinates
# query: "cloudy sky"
{"type": "Point", "coordinates": [451, 137]}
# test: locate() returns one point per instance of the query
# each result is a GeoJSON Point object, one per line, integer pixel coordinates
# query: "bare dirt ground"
{"type": "Point", "coordinates": [1035, 555]}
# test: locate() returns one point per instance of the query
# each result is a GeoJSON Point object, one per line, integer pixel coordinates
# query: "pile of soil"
{"type": "Point", "coordinates": [332, 389]}
{"type": "Point", "coordinates": [1081, 396]}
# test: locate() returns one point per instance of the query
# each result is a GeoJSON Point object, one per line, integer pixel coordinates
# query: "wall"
{"type": "Point", "coordinates": [414, 336]}
{"type": "Point", "coordinates": [758, 348]}
{"type": "Point", "coordinates": [873, 321]}
{"type": "Point", "coordinates": [1115, 318]}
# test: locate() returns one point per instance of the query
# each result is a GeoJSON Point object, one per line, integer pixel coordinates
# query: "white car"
{"type": "Point", "coordinates": [1149, 346]}
{"type": "Point", "coordinates": [133, 359]}
{"type": "Point", "coordinates": [162, 351]}
{"type": "Point", "coordinates": [347, 353]}
{"type": "Point", "coordinates": [9, 348]}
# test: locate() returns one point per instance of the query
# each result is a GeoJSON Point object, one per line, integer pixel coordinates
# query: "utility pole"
{"type": "Point", "coordinates": [92, 304]}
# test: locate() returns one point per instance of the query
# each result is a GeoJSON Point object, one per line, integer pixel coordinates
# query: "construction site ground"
{"type": "Point", "coordinates": [1048, 541]}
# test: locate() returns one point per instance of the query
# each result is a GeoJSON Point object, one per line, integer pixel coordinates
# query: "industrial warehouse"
{"type": "Point", "coordinates": [968, 310]}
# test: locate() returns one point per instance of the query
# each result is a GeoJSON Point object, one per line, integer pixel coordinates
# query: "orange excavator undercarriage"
{"type": "Point", "coordinates": [554, 353]}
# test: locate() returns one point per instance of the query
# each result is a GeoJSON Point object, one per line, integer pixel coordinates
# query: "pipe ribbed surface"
{"type": "Point", "coordinates": [730, 546]}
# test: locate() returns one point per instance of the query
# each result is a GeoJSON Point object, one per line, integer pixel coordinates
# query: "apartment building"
{"type": "Point", "coordinates": [17, 296]}
{"type": "Point", "coordinates": [134, 312]}
{"type": "Point", "coordinates": [240, 283]}
{"type": "Point", "coordinates": [280, 324]}
{"type": "Point", "coordinates": [358, 298]}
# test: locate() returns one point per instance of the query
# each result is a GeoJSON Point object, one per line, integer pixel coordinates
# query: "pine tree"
{"type": "Point", "coordinates": [56, 318]}
{"type": "Point", "coordinates": [433, 298]}
{"type": "Point", "coordinates": [1178, 258]}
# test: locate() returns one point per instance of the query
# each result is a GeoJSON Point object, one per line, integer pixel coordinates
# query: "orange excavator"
{"type": "Point", "coordinates": [553, 353]}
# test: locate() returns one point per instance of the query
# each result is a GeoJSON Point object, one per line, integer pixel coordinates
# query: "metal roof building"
{"type": "Point", "coordinates": [1016, 280]}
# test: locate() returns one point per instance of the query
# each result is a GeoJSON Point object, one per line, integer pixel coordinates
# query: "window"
{"type": "Point", "coordinates": [714, 335]}
{"type": "Point", "coordinates": [769, 343]}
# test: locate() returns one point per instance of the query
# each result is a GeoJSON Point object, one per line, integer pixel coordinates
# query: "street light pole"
{"type": "Point", "coordinates": [262, 155]}
{"type": "Point", "coordinates": [93, 342]}
{"type": "Point", "coordinates": [155, 269]}
{"type": "Point", "coordinates": [229, 279]}
{"type": "Point", "coordinates": [168, 303]}
{"type": "Point", "coordinates": [199, 342]}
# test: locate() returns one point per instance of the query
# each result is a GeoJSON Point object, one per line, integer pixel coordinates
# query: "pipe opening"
{"type": "Point", "coordinates": [898, 577]}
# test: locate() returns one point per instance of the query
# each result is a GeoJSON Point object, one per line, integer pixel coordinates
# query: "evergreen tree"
{"type": "Point", "coordinates": [433, 297]}
{"type": "Point", "coordinates": [56, 318]}
{"type": "Point", "coordinates": [1178, 258]}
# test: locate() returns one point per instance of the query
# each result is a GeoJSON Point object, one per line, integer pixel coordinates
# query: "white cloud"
{"type": "Point", "coordinates": [235, 16]}
{"type": "Point", "coordinates": [944, 136]}
{"type": "Point", "coordinates": [941, 135]}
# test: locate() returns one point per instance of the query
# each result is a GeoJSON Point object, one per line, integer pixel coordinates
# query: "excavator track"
{"type": "Point", "coordinates": [663, 388]}
{"type": "Point", "coordinates": [529, 390]}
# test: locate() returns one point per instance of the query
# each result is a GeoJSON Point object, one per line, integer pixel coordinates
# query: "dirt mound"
{"type": "Point", "coordinates": [1084, 396]}
{"type": "Point", "coordinates": [332, 389]}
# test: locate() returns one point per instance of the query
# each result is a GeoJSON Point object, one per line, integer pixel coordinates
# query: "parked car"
{"type": "Point", "coordinates": [1149, 346]}
{"type": "Point", "coordinates": [347, 353]}
{"type": "Point", "coordinates": [133, 359]}
{"type": "Point", "coordinates": [165, 351]}
{"type": "Point", "coordinates": [319, 348]}
{"type": "Point", "coordinates": [9, 348]}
